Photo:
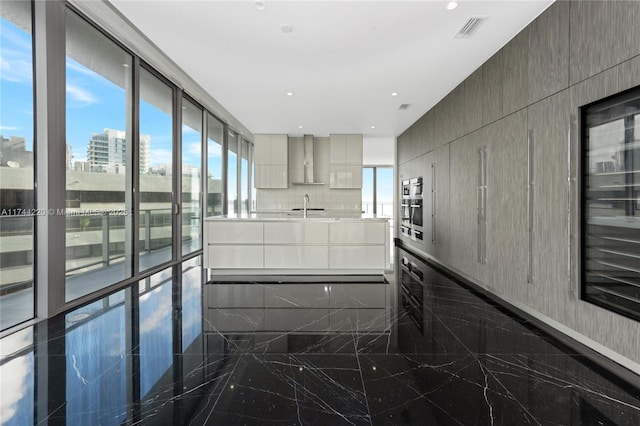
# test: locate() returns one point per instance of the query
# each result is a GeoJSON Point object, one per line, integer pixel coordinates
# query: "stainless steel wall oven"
{"type": "Point", "coordinates": [411, 209]}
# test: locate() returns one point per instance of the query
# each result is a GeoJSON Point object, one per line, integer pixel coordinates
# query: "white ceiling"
{"type": "Point", "coordinates": [342, 61]}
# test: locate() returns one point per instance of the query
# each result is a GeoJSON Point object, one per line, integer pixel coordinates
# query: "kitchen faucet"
{"type": "Point", "coordinates": [306, 204]}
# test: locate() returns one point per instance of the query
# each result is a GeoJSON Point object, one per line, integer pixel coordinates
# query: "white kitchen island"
{"type": "Point", "coordinates": [296, 275]}
{"type": "Point", "coordinates": [263, 245]}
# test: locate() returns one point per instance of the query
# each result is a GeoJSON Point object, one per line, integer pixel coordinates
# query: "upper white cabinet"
{"type": "Point", "coordinates": [271, 153]}
{"type": "Point", "coordinates": [345, 161]}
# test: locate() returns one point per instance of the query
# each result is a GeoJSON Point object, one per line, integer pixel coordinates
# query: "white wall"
{"type": "Point", "coordinates": [378, 151]}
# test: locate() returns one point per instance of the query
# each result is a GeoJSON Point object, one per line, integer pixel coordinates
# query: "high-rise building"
{"type": "Point", "coordinates": [107, 152]}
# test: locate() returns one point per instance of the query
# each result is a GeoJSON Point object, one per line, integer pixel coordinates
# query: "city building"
{"type": "Point", "coordinates": [107, 152]}
{"type": "Point", "coordinates": [366, 212]}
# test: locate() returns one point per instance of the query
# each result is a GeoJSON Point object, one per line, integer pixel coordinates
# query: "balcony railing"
{"type": "Point", "coordinates": [93, 241]}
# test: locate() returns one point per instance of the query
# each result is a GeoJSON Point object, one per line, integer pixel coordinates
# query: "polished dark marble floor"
{"type": "Point", "coordinates": [448, 357]}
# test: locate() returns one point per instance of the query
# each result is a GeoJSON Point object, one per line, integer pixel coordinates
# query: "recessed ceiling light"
{"type": "Point", "coordinates": [394, 94]}
{"type": "Point", "coordinates": [373, 127]}
{"type": "Point", "coordinates": [299, 127]}
{"type": "Point", "coordinates": [286, 29]}
{"type": "Point", "coordinates": [289, 93]}
{"type": "Point", "coordinates": [452, 5]}
{"type": "Point", "coordinates": [259, 5]}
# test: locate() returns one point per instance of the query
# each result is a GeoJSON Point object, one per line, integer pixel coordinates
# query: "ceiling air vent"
{"type": "Point", "coordinates": [471, 26]}
{"type": "Point", "coordinates": [404, 106]}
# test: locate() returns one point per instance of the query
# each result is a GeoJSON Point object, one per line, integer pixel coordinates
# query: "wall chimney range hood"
{"type": "Point", "coordinates": [308, 163]}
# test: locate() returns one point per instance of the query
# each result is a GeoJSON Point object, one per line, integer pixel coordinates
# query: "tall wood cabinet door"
{"type": "Point", "coordinates": [549, 51]}
{"type": "Point", "coordinates": [440, 197]}
{"type": "Point", "coordinates": [548, 126]}
{"type": "Point", "coordinates": [506, 212]}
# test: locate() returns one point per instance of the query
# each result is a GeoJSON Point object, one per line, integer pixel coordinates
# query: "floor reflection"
{"type": "Point", "coordinates": [439, 354]}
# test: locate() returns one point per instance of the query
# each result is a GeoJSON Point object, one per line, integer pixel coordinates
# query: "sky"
{"type": "Point", "coordinates": [93, 103]}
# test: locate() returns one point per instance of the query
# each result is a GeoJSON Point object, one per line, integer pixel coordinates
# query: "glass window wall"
{"type": "Point", "coordinates": [191, 177]}
{"type": "Point", "coordinates": [16, 164]}
{"type": "Point", "coordinates": [98, 166]}
{"type": "Point", "coordinates": [215, 136]}
{"type": "Point", "coordinates": [156, 171]}
{"type": "Point", "coordinates": [244, 176]}
{"type": "Point", "coordinates": [232, 174]}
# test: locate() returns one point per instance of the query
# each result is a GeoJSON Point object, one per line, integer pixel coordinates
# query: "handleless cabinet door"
{"type": "Point", "coordinates": [353, 149]}
{"type": "Point", "coordinates": [296, 233]}
{"type": "Point", "coordinates": [262, 176]}
{"type": "Point", "coordinates": [241, 232]}
{"type": "Point", "coordinates": [296, 257]}
{"type": "Point", "coordinates": [235, 257]}
{"type": "Point", "coordinates": [357, 232]}
{"type": "Point", "coordinates": [357, 257]}
{"type": "Point", "coordinates": [279, 149]}
{"type": "Point", "coordinates": [261, 149]}
{"type": "Point", "coordinates": [337, 149]}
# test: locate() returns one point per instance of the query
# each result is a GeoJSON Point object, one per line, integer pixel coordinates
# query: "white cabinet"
{"type": "Point", "coordinates": [296, 257]}
{"type": "Point", "coordinates": [357, 233]}
{"type": "Point", "coordinates": [235, 257]}
{"type": "Point", "coordinates": [264, 246]}
{"type": "Point", "coordinates": [356, 257]}
{"type": "Point", "coordinates": [286, 232]}
{"type": "Point", "coordinates": [345, 161]}
{"type": "Point", "coordinates": [234, 232]}
{"type": "Point", "coordinates": [271, 157]}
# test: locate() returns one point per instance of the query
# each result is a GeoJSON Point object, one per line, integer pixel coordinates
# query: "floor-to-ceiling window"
{"type": "Point", "coordinates": [191, 177]}
{"type": "Point", "coordinates": [16, 164]}
{"type": "Point", "coordinates": [384, 192]}
{"type": "Point", "coordinates": [156, 170]}
{"type": "Point", "coordinates": [99, 162]}
{"type": "Point", "coordinates": [368, 191]}
{"type": "Point", "coordinates": [377, 191]}
{"type": "Point", "coordinates": [377, 195]}
{"type": "Point", "coordinates": [215, 136]}
{"type": "Point", "coordinates": [245, 149]}
{"type": "Point", "coordinates": [232, 173]}
{"type": "Point", "coordinates": [122, 172]}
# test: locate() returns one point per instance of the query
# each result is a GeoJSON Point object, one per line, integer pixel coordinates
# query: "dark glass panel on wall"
{"type": "Point", "coordinates": [611, 203]}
